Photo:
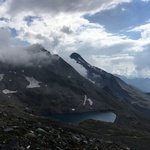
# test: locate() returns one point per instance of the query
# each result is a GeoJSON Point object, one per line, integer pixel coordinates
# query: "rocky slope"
{"type": "Point", "coordinates": [141, 83]}
{"type": "Point", "coordinates": [47, 84]}
{"type": "Point", "coordinates": [50, 85]}
{"type": "Point", "coordinates": [20, 129]}
{"type": "Point", "coordinates": [112, 84]}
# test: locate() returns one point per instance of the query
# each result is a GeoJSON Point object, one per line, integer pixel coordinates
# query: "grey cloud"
{"type": "Point", "coordinates": [57, 6]}
{"type": "Point", "coordinates": [142, 59]}
{"type": "Point", "coordinates": [55, 42]}
{"type": "Point", "coordinates": [23, 55]}
{"type": "Point", "coordinates": [39, 36]}
{"type": "Point", "coordinates": [5, 38]}
{"type": "Point", "coordinates": [15, 55]}
{"type": "Point", "coordinates": [66, 29]}
{"type": "Point", "coordinates": [111, 50]}
{"type": "Point", "coordinates": [120, 59]}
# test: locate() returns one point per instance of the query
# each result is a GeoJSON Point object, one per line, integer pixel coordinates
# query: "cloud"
{"type": "Point", "coordinates": [27, 55]}
{"type": "Point", "coordinates": [119, 64]}
{"type": "Point", "coordinates": [66, 29]}
{"type": "Point", "coordinates": [5, 39]}
{"type": "Point", "coordinates": [62, 28]}
{"type": "Point", "coordinates": [142, 59]}
{"type": "Point", "coordinates": [57, 6]}
{"type": "Point", "coordinates": [144, 31]}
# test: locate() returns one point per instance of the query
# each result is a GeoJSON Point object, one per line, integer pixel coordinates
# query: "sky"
{"type": "Point", "coordinates": [113, 35]}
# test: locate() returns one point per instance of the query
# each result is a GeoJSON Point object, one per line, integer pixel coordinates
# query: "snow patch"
{"type": "Point", "coordinates": [6, 91]}
{"type": "Point", "coordinates": [78, 67]}
{"type": "Point", "coordinates": [91, 81]}
{"type": "Point", "coordinates": [32, 82]}
{"type": "Point", "coordinates": [87, 99]}
{"type": "Point", "coordinates": [1, 77]}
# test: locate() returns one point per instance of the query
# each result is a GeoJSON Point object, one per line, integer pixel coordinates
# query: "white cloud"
{"type": "Point", "coordinates": [144, 31]}
{"type": "Point", "coordinates": [142, 59]}
{"type": "Point", "coordinates": [61, 28]}
{"type": "Point", "coordinates": [120, 64]}
{"type": "Point", "coordinates": [28, 55]}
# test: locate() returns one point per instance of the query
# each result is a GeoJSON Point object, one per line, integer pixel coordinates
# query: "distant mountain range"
{"type": "Point", "coordinates": [141, 83]}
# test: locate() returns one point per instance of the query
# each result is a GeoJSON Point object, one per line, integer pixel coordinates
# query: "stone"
{"type": "Point", "coordinates": [96, 148]}
{"type": "Point", "coordinates": [85, 142]}
{"type": "Point", "coordinates": [30, 135]}
{"type": "Point", "coordinates": [40, 130]}
{"type": "Point", "coordinates": [8, 129]}
{"type": "Point", "coordinates": [76, 138]}
{"type": "Point", "coordinates": [28, 147]}
{"type": "Point", "coordinates": [22, 148]}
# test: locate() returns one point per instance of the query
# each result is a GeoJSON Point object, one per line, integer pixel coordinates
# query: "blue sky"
{"type": "Point", "coordinates": [123, 16]}
{"type": "Point", "coordinates": [111, 34]}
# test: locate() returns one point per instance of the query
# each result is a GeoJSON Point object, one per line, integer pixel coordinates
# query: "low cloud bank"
{"type": "Point", "coordinates": [27, 55]}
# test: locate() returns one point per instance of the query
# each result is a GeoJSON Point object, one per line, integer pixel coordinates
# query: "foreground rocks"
{"type": "Point", "coordinates": [34, 135]}
{"type": "Point", "coordinates": [22, 130]}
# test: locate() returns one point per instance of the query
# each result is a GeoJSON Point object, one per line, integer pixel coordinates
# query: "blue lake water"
{"type": "Point", "coordinates": [76, 118]}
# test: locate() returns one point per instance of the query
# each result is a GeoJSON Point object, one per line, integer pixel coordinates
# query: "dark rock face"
{"type": "Point", "coordinates": [116, 86]}
{"type": "Point", "coordinates": [52, 85]}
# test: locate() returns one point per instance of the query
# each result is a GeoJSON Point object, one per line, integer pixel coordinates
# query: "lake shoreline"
{"type": "Point", "coordinates": [76, 117]}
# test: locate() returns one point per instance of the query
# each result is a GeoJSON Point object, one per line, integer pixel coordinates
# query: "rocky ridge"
{"type": "Point", "coordinates": [51, 85]}
{"type": "Point", "coordinates": [137, 99]}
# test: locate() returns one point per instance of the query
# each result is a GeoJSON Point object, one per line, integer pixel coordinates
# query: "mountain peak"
{"type": "Point", "coordinates": [75, 55]}
{"type": "Point", "coordinates": [37, 48]}
{"type": "Point", "coordinates": [78, 58]}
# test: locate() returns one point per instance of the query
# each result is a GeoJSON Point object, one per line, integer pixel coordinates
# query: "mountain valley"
{"type": "Point", "coordinates": [49, 85]}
